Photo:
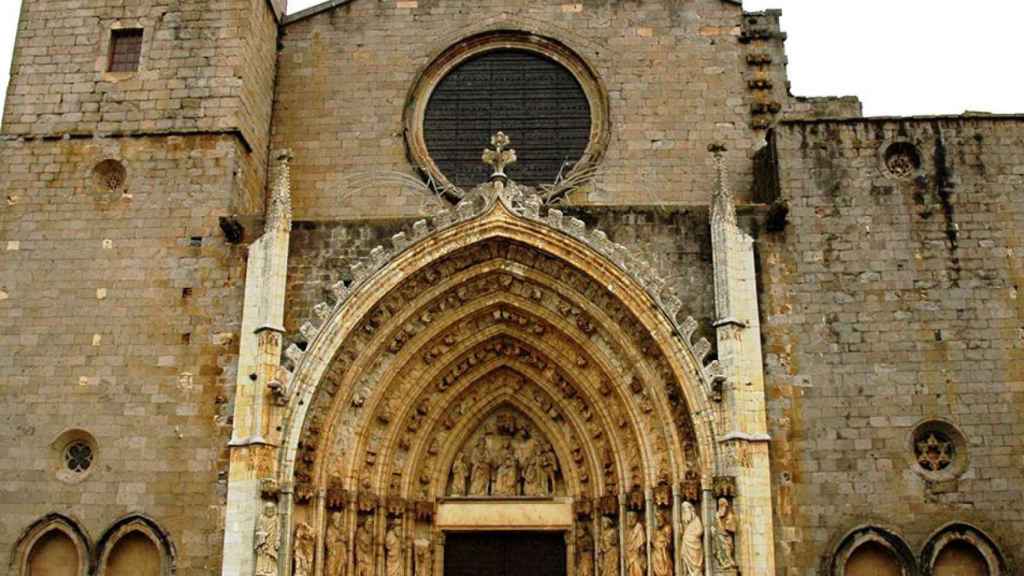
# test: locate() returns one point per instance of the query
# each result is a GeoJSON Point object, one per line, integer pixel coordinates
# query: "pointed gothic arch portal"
{"type": "Point", "coordinates": [497, 374]}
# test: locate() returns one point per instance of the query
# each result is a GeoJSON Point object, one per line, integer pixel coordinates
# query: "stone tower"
{"type": "Point", "coordinates": [133, 134]}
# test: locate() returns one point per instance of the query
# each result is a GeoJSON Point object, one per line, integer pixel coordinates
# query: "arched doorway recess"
{"type": "Point", "coordinates": [483, 346]}
{"type": "Point", "coordinates": [499, 368]}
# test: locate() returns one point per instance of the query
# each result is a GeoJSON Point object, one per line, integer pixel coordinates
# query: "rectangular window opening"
{"type": "Point", "coordinates": [125, 49]}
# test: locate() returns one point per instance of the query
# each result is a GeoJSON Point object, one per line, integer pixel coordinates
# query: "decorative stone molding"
{"type": "Point", "coordinates": [42, 527]}
{"type": "Point", "coordinates": [499, 304]}
{"type": "Point", "coordinates": [939, 454]}
{"type": "Point", "coordinates": [526, 204]}
{"type": "Point", "coordinates": [137, 523]}
{"type": "Point", "coordinates": [965, 534]}
{"type": "Point", "coordinates": [847, 545]}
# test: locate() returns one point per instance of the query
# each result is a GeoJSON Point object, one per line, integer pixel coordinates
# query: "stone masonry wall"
{"type": "Point", "coordinates": [674, 73]}
{"type": "Point", "coordinates": [119, 316]}
{"type": "Point", "coordinates": [676, 240]}
{"type": "Point", "coordinates": [206, 66]}
{"type": "Point", "coordinates": [886, 302]}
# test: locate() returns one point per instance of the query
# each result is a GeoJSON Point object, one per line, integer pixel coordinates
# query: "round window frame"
{"type": "Point", "coordinates": [464, 50]}
{"type": "Point", "coordinates": [961, 456]}
{"type": "Point", "coordinates": [60, 446]}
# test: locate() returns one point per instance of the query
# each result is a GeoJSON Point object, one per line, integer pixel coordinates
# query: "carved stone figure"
{"type": "Point", "coordinates": [585, 553]}
{"type": "Point", "coordinates": [268, 541]}
{"type": "Point", "coordinates": [364, 549]}
{"type": "Point", "coordinates": [460, 475]}
{"type": "Point", "coordinates": [725, 535]}
{"type": "Point", "coordinates": [609, 548]}
{"type": "Point", "coordinates": [549, 463]}
{"type": "Point", "coordinates": [692, 552]}
{"type": "Point", "coordinates": [305, 544]}
{"type": "Point", "coordinates": [534, 479]}
{"type": "Point", "coordinates": [423, 566]}
{"type": "Point", "coordinates": [506, 481]}
{"type": "Point", "coordinates": [480, 472]}
{"type": "Point", "coordinates": [336, 546]}
{"type": "Point", "coordinates": [661, 547]}
{"type": "Point", "coordinates": [636, 546]}
{"type": "Point", "coordinates": [392, 552]}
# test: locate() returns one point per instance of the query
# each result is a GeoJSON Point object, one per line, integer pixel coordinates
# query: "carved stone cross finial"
{"type": "Point", "coordinates": [501, 156]}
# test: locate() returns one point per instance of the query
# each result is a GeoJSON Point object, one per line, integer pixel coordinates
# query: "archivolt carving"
{"type": "Point", "coordinates": [523, 317]}
{"type": "Point", "coordinates": [448, 317]}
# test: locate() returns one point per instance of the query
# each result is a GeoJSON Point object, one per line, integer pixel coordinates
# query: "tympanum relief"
{"type": "Point", "coordinates": [506, 457]}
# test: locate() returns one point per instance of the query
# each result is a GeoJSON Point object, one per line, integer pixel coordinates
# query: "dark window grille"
{"type": "Point", "coordinates": [125, 50]}
{"type": "Point", "coordinates": [78, 457]}
{"type": "Point", "coordinates": [536, 101]}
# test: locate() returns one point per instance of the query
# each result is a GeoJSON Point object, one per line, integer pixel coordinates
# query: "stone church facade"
{"type": "Point", "coordinates": [431, 287]}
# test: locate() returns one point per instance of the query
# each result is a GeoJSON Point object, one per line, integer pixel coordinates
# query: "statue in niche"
{"type": "Point", "coordinates": [422, 559]}
{"type": "Point", "coordinates": [480, 471]}
{"type": "Point", "coordinates": [609, 547]}
{"type": "Point", "coordinates": [506, 481]}
{"type": "Point", "coordinates": [661, 546]}
{"type": "Point", "coordinates": [364, 549]}
{"type": "Point", "coordinates": [392, 552]}
{"type": "Point", "coordinates": [692, 552]}
{"type": "Point", "coordinates": [460, 475]}
{"type": "Point", "coordinates": [725, 535]}
{"type": "Point", "coordinates": [336, 546]}
{"type": "Point", "coordinates": [305, 543]}
{"type": "Point", "coordinates": [585, 552]}
{"type": "Point", "coordinates": [636, 546]}
{"type": "Point", "coordinates": [268, 541]}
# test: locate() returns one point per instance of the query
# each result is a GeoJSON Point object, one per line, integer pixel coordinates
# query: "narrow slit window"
{"type": "Point", "coordinates": [125, 50]}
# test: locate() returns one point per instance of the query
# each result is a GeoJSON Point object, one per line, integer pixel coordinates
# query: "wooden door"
{"type": "Point", "coordinates": [504, 554]}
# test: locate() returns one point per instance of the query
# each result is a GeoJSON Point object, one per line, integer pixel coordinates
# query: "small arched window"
{"type": "Point", "coordinates": [961, 550]}
{"type": "Point", "coordinates": [135, 546]}
{"type": "Point", "coordinates": [134, 554]}
{"type": "Point", "coordinates": [960, 559]}
{"type": "Point", "coordinates": [873, 559]}
{"type": "Point", "coordinates": [871, 551]}
{"type": "Point", "coordinates": [54, 554]}
{"type": "Point", "coordinates": [53, 546]}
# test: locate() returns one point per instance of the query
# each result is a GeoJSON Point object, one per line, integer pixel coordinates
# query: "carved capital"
{"type": "Point", "coordinates": [337, 496]}
{"type": "Point", "coordinates": [367, 501]}
{"type": "Point", "coordinates": [269, 489]}
{"type": "Point", "coordinates": [724, 487]}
